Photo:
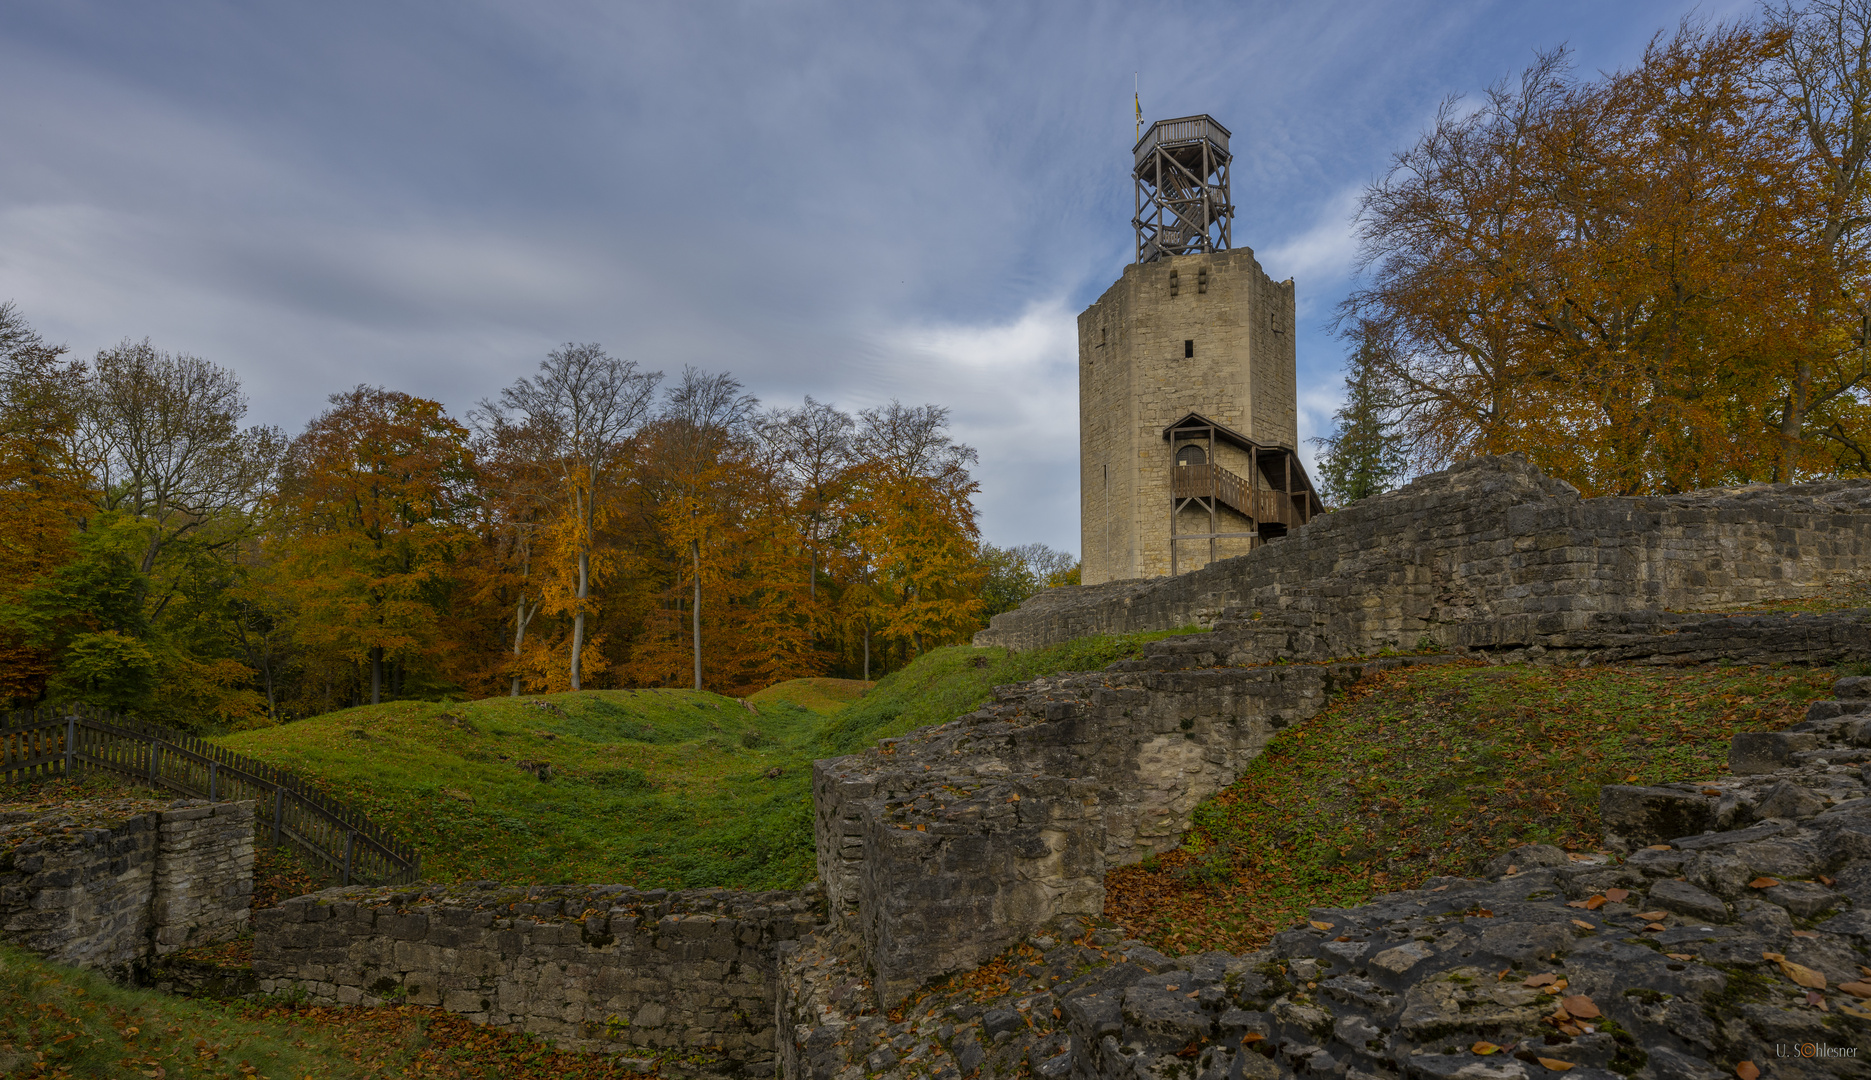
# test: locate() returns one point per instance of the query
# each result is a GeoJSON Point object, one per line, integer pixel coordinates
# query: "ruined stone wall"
{"type": "Point", "coordinates": [946, 845]}
{"type": "Point", "coordinates": [114, 897]}
{"type": "Point", "coordinates": [1486, 542]}
{"type": "Point", "coordinates": [203, 877]}
{"type": "Point", "coordinates": [943, 847]}
{"type": "Point", "coordinates": [683, 978]}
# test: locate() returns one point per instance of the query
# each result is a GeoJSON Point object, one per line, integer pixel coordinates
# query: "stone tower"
{"type": "Point", "coordinates": [1188, 420]}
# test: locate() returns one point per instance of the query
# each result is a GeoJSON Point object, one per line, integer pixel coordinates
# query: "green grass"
{"type": "Point", "coordinates": [945, 683]}
{"type": "Point", "coordinates": [1433, 771]}
{"type": "Point", "coordinates": [60, 1021]}
{"type": "Point", "coordinates": [822, 696]}
{"type": "Point", "coordinates": [655, 788]}
{"type": "Point", "coordinates": [669, 788]}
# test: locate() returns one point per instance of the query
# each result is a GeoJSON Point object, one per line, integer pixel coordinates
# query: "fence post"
{"type": "Point", "coordinates": [350, 842]}
{"type": "Point", "coordinates": [214, 780]}
{"type": "Point", "coordinates": [279, 810]}
{"type": "Point", "coordinates": [71, 743]}
{"type": "Point", "coordinates": [154, 746]}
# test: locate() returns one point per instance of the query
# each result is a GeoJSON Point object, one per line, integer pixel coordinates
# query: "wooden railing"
{"type": "Point", "coordinates": [287, 809]}
{"type": "Point", "coordinates": [1211, 481]}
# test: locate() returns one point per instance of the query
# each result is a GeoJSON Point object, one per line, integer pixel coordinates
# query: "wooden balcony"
{"type": "Point", "coordinates": [1264, 505]}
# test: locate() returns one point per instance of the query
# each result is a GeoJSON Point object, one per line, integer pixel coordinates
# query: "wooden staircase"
{"type": "Point", "coordinates": [1263, 505]}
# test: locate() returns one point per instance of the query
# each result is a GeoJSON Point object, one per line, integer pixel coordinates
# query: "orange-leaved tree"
{"type": "Point", "coordinates": [911, 538]}
{"type": "Point", "coordinates": [1611, 276]}
{"type": "Point", "coordinates": [574, 421]}
{"type": "Point", "coordinates": [375, 498]}
{"type": "Point", "coordinates": [44, 491]}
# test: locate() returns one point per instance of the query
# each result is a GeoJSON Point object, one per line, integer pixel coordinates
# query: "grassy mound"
{"type": "Point", "coordinates": [1431, 771]}
{"type": "Point", "coordinates": [822, 696]}
{"type": "Point", "coordinates": [656, 788]}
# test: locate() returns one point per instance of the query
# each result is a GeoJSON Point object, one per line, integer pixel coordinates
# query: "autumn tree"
{"type": "Point", "coordinates": [375, 494]}
{"type": "Point", "coordinates": [161, 433]}
{"type": "Point", "coordinates": [576, 417]}
{"type": "Point", "coordinates": [1606, 274]}
{"type": "Point", "coordinates": [912, 540]}
{"type": "Point", "coordinates": [1821, 79]}
{"type": "Point", "coordinates": [44, 491]}
{"type": "Point", "coordinates": [811, 446]}
{"type": "Point", "coordinates": [1011, 576]}
{"type": "Point", "coordinates": [519, 494]}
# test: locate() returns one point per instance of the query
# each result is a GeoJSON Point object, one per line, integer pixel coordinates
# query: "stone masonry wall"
{"type": "Point", "coordinates": [687, 978]}
{"type": "Point", "coordinates": [946, 845]}
{"type": "Point", "coordinates": [203, 880]}
{"type": "Point", "coordinates": [1489, 541]}
{"type": "Point", "coordinates": [114, 897]}
{"type": "Point", "coordinates": [943, 847]}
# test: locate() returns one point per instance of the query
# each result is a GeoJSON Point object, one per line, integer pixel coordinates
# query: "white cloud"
{"type": "Point", "coordinates": [1327, 251]}
{"type": "Point", "coordinates": [1013, 392]}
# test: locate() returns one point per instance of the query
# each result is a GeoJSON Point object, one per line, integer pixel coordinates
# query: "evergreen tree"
{"type": "Point", "coordinates": [1364, 454]}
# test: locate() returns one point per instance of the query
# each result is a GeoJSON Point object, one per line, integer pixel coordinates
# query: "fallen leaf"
{"type": "Point", "coordinates": [1582, 922]}
{"type": "Point", "coordinates": [1857, 989]}
{"type": "Point", "coordinates": [1711, 791]}
{"type": "Point", "coordinates": [1557, 1065]}
{"type": "Point", "coordinates": [1773, 956]}
{"type": "Point", "coordinates": [1762, 883]}
{"type": "Point", "coordinates": [1652, 916]}
{"type": "Point", "coordinates": [1803, 975]}
{"type": "Point", "coordinates": [1658, 847]}
{"type": "Point", "coordinates": [1342, 937]}
{"type": "Point", "coordinates": [1747, 1070]}
{"type": "Point", "coordinates": [1655, 926]}
{"type": "Point", "coordinates": [1680, 955]}
{"type": "Point", "coordinates": [1485, 1048]}
{"type": "Point", "coordinates": [1617, 896]}
{"type": "Point", "coordinates": [1816, 1000]}
{"type": "Point", "coordinates": [1251, 1037]}
{"type": "Point", "coordinates": [1545, 978]}
{"type": "Point", "coordinates": [1826, 881]}
{"type": "Point", "coordinates": [1317, 925]}
{"type": "Point", "coordinates": [1581, 1007]}
{"type": "Point", "coordinates": [1804, 933]}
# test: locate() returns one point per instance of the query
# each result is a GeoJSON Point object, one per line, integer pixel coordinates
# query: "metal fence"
{"type": "Point", "coordinates": [287, 809]}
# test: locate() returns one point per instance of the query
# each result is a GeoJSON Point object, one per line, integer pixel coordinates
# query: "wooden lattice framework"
{"type": "Point", "coordinates": [1275, 492]}
{"type": "Point", "coordinates": [1182, 186]}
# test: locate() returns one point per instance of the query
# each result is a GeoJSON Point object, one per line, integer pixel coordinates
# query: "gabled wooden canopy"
{"type": "Point", "coordinates": [1274, 459]}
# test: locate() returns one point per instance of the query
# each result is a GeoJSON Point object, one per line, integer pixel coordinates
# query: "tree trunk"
{"type": "Point", "coordinates": [376, 675]}
{"type": "Point", "coordinates": [695, 612]}
{"type": "Point", "coordinates": [578, 620]}
{"type": "Point", "coordinates": [867, 650]}
{"type": "Point", "coordinates": [520, 619]}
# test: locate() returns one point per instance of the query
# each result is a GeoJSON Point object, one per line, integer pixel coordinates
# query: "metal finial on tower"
{"type": "Point", "coordinates": [1181, 177]}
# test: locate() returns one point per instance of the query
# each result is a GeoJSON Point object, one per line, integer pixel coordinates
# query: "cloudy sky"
{"type": "Point", "coordinates": [858, 201]}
